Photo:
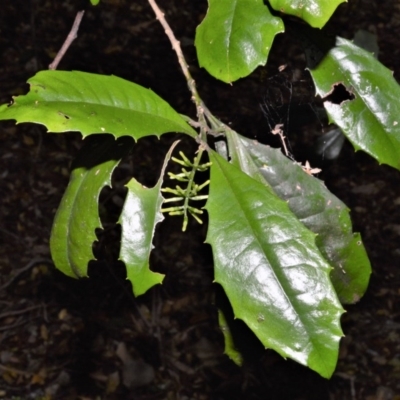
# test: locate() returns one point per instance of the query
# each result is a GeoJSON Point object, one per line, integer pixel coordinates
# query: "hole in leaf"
{"type": "Point", "coordinates": [339, 94]}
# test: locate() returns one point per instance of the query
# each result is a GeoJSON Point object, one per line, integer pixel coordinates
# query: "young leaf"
{"type": "Point", "coordinates": [235, 37]}
{"type": "Point", "coordinates": [370, 120]}
{"type": "Point", "coordinates": [318, 209]}
{"type": "Point", "coordinates": [316, 12]}
{"type": "Point", "coordinates": [140, 215]}
{"type": "Point", "coordinates": [77, 217]}
{"type": "Point", "coordinates": [271, 270]}
{"type": "Point", "coordinates": [95, 2]}
{"type": "Point", "coordinates": [90, 103]}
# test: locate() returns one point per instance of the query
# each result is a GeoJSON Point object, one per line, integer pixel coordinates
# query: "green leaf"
{"type": "Point", "coordinates": [77, 217]}
{"type": "Point", "coordinates": [318, 209]}
{"type": "Point", "coordinates": [271, 270]}
{"type": "Point", "coordinates": [371, 121]}
{"type": "Point", "coordinates": [315, 12]}
{"type": "Point", "coordinates": [140, 215]}
{"type": "Point", "coordinates": [230, 349]}
{"type": "Point", "coordinates": [89, 103]}
{"type": "Point", "coordinates": [235, 37]}
{"type": "Point", "coordinates": [95, 2]}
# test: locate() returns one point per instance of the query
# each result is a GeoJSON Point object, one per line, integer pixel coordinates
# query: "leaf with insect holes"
{"type": "Point", "coordinates": [370, 119]}
{"type": "Point", "coordinates": [90, 103]}
{"type": "Point", "coordinates": [140, 215]}
{"type": "Point", "coordinates": [77, 217]}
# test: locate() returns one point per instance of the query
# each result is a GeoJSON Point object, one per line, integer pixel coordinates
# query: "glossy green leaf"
{"type": "Point", "coordinates": [77, 217]}
{"type": "Point", "coordinates": [315, 12]}
{"type": "Point", "coordinates": [235, 37]}
{"type": "Point", "coordinates": [140, 215]}
{"type": "Point", "coordinates": [271, 270]}
{"type": "Point", "coordinates": [371, 121]}
{"type": "Point", "coordinates": [318, 209]}
{"type": "Point", "coordinates": [89, 103]}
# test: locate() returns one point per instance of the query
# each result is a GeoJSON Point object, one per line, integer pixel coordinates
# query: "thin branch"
{"type": "Point", "coordinates": [18, 312]}
{"type": "Point", "coordinates": [23, 269]}
{"type": "Point", "coordinates": [73, 34]}
{"type": "Point", "coordinates": [177, 47]}
{"type": "Point", "coordinates": [15, 370]}
{"type": "Point", "coordinates": [201, 110]}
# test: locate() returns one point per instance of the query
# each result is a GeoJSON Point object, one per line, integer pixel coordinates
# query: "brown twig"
{"type": "Point", "coordinates": [15, 370]}
{"type": "Point", "coordinates": [201, 109]}
{"type": "Point", "coordinates": [73, 34]}
{"type": "Point", "coordinates": [279, 131]}
{"type": "Point", "coordinates": [13, 235]}
{"type": "Point", "coordinates": [18, 312]}
{"type": "Point", "coordinates": [20, 321]}
{"type": "Point", "coordinates": [177, 47]}
{"type": "Point", "coordinates": [22, 270]}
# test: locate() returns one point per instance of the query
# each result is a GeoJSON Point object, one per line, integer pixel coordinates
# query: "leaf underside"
{"type": "Point", "coordinates": [271, 270]}
{"type": "Point", "coordinates": [371, 121]}
{"type": "Point", "coordinates": [77, 217]}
